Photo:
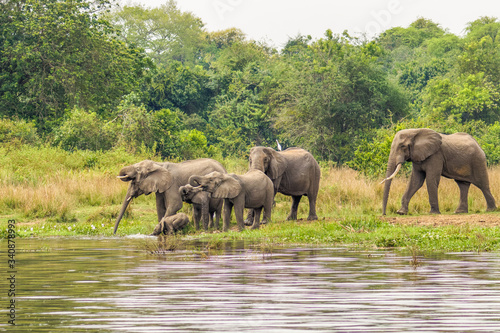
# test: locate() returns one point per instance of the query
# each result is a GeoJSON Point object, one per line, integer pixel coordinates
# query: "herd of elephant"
{"type": "Point", "coordinates": [206, 185]}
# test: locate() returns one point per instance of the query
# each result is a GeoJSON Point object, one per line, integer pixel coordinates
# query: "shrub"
{"type": "Point", "coordinates": [85, 130]}
{"type": "Point", "coordinates": [18, 131]}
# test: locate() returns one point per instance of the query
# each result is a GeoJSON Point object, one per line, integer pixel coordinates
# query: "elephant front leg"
{"type": "Point", "coordinates": [226, 217]}
{"type": "Point", "coordinates": [160, 206]}
{"type": "Point", "coordinates": [432, 190]}
{"type": "Point", "coordinates": [239, 207]}
{"type": "Point", "coordinates": [416, 181]}
{"type": "Point", "coordinates": [463, 206]}
{"type": "Point", "coordinates": [295, 207]}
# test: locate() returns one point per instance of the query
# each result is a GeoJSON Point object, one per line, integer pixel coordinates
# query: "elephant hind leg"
{"type": "Point", "coordinates": [312, 208]}
{"type": "Point", "coordinates": [256, 218]}
{"type": "Point", "coordinates": [463, 206]}
{"type": "Point", "coordinates": [295, 207]}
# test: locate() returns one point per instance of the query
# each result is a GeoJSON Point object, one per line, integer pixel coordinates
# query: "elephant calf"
{"type": "Point", "coordinates": [251, 190]}
{"type": "Point", "coordinates": [204, 206]}
{"type": "Point", "coordinates": [171, 224]}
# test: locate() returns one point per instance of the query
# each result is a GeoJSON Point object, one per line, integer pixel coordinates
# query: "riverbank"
{"type": "Point", "coordinates": [49, 192]}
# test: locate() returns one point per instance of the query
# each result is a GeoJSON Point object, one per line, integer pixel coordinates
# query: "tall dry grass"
{"type": "Point", "coordinates": [69, 194]}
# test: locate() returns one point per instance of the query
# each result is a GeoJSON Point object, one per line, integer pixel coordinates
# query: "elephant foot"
{"type": "Point", "coordinates": [461, 211]}
{"type": "Point", "coordinates": [264, 221]}
{"type": "Point", "coordinates": [312, 217]}
{"type": "Point", "coordinates": [248, 222]}
{"type": "Point", "coordinates": [255, 226]}
{"type": "Point", "coordinates": [435, 211]}
{"type": "Point", "coordinates": [402, 211]}
{"type": "Point", "coordinates": [491, 209]}
{"type": "Point", "coordinates": [292, 217]}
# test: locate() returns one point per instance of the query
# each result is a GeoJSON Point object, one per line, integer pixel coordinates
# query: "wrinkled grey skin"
{"type": "Point", "coordinates": [456, 156]}
{"type": "Point", "coordinates": [204, 206]}
{"type": "Point", "coordinates": [294, 172]}
{"type": "Point", "coordinates": [163, 179]}
{"type": "Point", "coordinates": [251, 190]}
{"type": "Point", "coordinates": [171, 224]}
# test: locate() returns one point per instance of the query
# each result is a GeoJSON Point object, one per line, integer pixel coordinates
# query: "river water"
{"type": "Point", "coordinates": [114, 284]}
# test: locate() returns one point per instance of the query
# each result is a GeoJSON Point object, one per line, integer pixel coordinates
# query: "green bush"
{"type": "Point", "coordinates": [85, 130]}
{"type": "Point", "coordinates": [18, 131]}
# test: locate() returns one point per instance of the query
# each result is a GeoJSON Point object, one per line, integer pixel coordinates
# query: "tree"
{"type": "Point", "coordinates": [57, 54]}
{"type": "Point", "coordinates": [335, 95]}
{"type": "Point", "coordinates": [164, 32]}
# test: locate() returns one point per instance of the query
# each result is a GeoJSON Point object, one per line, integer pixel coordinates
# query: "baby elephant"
{"type": "Point", "coordinates": [171, 224]}
{"type": "Point", "coordinates": [251, 190]}
{"type": "Point", "coordinates": [204, 206]}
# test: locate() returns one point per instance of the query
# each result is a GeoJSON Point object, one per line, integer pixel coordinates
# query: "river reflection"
{"type": "Point", "coordinates": [75, 285]}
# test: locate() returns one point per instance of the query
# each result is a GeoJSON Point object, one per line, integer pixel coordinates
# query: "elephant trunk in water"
{"type": "Point", "coordinates": [392, 169]}
{"type": "Point", "coordinates": [126, 201]}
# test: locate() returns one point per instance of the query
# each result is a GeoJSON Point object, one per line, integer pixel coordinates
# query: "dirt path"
{"type": "Point", "coordinates": [487, 220]}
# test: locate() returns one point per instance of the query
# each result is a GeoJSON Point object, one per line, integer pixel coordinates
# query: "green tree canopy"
{"type": "Point", "coordinates": [57, 54]}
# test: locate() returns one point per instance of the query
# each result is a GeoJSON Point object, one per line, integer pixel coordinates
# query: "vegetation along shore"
{"type": "Point", "coordinates": [85, 90]}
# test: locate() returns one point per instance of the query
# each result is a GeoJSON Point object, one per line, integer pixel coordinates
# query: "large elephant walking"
{"type": "Point", "coordinates": [456, 156]}
{"type": "Point", "coordinates": [164, 179]}
{"type": "Point", "coordinates": [294, 172]}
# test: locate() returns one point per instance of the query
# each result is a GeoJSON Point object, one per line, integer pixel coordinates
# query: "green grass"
{"type": "Point", "coordinates": [51, 192]}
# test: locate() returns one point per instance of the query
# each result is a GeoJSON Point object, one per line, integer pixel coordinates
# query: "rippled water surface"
{"type": "Point", "coordinates": [76, 285]}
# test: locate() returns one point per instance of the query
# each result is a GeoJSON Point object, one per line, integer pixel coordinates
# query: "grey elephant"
{"type": "Point", "coordinates": [204, 206]}
{"type": "Point", "coordinates": [456, 156]}
{"type": "Point", "coordinates": [163, 179]}
{"type": "Point", "coordinates": [294, 172]}
{"type": "Point", "coordinates": [251, 190]}
{"type": "Point", "coordinates": [171, 224]}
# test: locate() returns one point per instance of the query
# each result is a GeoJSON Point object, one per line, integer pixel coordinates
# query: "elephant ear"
{"type": "Point", "coordinates": [229, 188]}
{"type": "Point", "coordinates": [426, 143]}
{"type": "Point", "coordinates": [158, 179]}
{"type": "Point", "coordinates": [277, 164]}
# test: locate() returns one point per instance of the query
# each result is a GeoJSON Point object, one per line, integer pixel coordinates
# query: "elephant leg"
{"type": "Point", "coordinates": [463, 205]}
{"type": "Point", "coordinates": [210, 220]}
{"type": "Point", "coordinates": [295, 207]}
{"type": "Point", "coordinates": [312, 208]}
{"type": "Point", "coordinates": [239, 207]}
{"type": "Point", "coordinates": [217, 218]}
{"type": "Point", "coordinates": [250, 217]}
{"type": "Point", "coordinates": [228, 207]}
{"type": "Point", "coordinates": [256, 218]}
{"type": "Point", "coordinates": [196, 217]}
{"type": "Point", "coordinates": [432, 189]}
{"type": "Point", "coordinates": [160, 206]}
{"type": "Point", "coordinates": [416, 181]}
{"type": "Point", "coordinates": [490, 200]}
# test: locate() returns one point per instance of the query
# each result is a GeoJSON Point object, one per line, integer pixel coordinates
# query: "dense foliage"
{"type": "Point", "coordinates": [91, 75]}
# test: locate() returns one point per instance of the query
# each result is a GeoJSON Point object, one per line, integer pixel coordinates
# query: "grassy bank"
{"type": "Point", "coordinates": [50, 192]}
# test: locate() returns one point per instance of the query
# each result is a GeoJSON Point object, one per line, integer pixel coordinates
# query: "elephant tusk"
{"type": "Point", "coordinates": [129, 198]}
{"type": "Point", "coordinates": [121, 177]}
{"type": "Point", "coordinates": [393, 174]}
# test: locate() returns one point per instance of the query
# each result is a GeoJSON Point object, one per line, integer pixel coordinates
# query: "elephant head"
{"type": "Point", "coordinates": [268, 161]}
{"type": "Point", "coordinates": [190, 194]}
{"type": "Point", "coordinates": [145, 177]}
{"type": "Point", "coordinates": [413, 145]}
{"type": "Point", "coordinates": [218, 184]}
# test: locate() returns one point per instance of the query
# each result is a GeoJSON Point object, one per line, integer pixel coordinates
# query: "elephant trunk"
{"type": "Point", "coordinates": [392, 170]}
{"type": "Point", "coordinates": [195, 181]}
{"type": "Point", "coordinates": [126, 201]}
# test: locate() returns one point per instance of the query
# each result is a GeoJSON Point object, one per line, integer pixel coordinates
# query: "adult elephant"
{"type": "Point", "coordinates": [251, 190]}
{"type": "Point", "coordinates": [294, 172]}
{"type": "Point", "coordinates": [163, 179]}
{"type": "Point", "coordinates": [456, 156]}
